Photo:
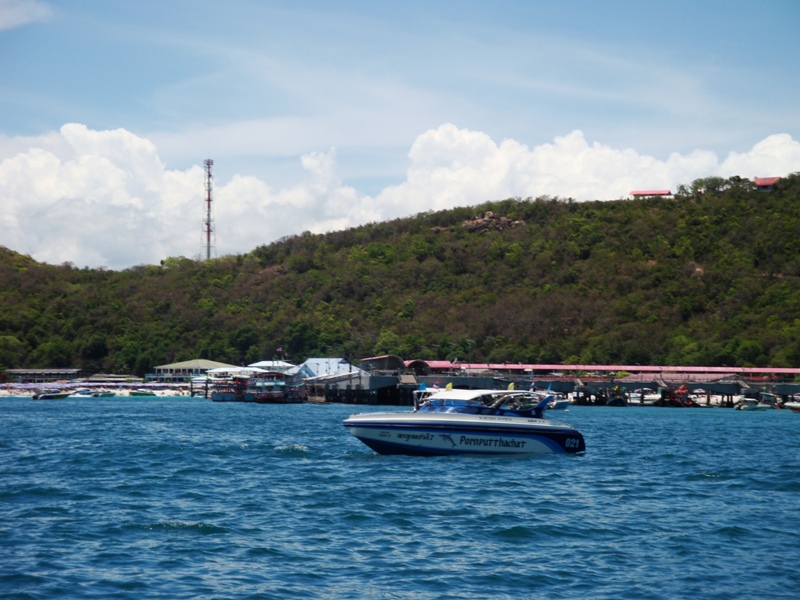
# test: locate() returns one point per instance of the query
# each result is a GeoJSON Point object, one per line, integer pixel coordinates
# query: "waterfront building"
{"type": "Point", "coordinates": [45, 375]}
{"type": "Point", "coordinates": [185, 371]}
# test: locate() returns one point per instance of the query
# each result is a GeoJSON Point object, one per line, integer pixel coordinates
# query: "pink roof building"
{"type": "Point", "coordinates": [765, 182]}
{"type": "Point", "coordinates": [637, 193]}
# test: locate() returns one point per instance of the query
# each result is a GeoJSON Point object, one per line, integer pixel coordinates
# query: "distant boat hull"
{"type": "Point", "coordinates": [617, 401]}
{"type": "Point", "coordinates": [226, 397]}
{"type": "Point", "coordinates": [51, 396]}
{"type": "Point", "coordinates": [752, 406]}
{"type": "Point", "coordinates": [559, 405]}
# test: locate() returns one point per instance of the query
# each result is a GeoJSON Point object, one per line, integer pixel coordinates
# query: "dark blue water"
{"type": "Point", "coordinates": [185, 498]}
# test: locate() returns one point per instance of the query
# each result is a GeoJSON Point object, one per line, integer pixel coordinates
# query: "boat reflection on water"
{"type": "Point", "coordinates": [468, 422]}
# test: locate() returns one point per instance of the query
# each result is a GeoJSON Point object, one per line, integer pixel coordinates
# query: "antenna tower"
{"type": "Point", "coordinates": [208, 223]}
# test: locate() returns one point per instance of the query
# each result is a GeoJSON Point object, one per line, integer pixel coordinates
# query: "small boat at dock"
{"type": "Point", "coordinates": [559, 402]}
{"type": "Point", "coordinates": [267, 387]}
{"type": "Point", "coordinates": [50, 395]}
{"type": "Point", "coordinates": [764, 401]}
{"type": "Point", "coordinates": [751, 404]}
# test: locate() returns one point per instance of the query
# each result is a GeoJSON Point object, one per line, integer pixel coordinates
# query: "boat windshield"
{"type": "Point", "coordinates": [442, 403]}
{"type": "Point", "coordinates": [495, 403]}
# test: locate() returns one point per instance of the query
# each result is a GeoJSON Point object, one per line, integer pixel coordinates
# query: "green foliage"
{"type": "Point", "coordinates": [711, 277]}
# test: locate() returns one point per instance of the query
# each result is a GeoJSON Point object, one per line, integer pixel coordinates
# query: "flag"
{"type": "Point", "coordinates": [511, 386]}
{"type": "Point", "coordinates": [449, 386]}
{"type": "Point", "coordinates": [279, 350]}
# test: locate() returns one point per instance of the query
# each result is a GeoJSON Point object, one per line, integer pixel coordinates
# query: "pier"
{"type": "Point", "coordinates": [388, 380]}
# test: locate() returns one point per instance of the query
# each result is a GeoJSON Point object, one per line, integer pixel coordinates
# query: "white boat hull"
{"type": "Point", "coordinates": [437, 434]}
{"type": "Point", "coordinates": [752, 406]}
{"type": "Point", "coordinates": [559, 405]}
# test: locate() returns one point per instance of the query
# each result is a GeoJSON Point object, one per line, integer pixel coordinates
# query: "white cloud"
{"type": "Point", "coordinates": [93, 198]}
{"type": "Point", "coordinates": [15, 13]}
{"type": "Point", "coordinates": [456, 167]}
{"type": "Point", "coordinates": [771, 157]}
{"type": "Point", "coordinates": [105, 198]}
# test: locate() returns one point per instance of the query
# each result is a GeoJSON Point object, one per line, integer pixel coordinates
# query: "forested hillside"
{"type": "Point", "coordinates": [709, 277]}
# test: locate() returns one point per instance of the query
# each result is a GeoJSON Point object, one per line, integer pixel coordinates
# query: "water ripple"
{"type": "Point", "coordinates": [178, 527]}
{"type": "Point", "coordinates": [177, 498]}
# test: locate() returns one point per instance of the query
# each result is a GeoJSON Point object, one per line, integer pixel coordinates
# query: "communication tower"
{"type": "Point", "coordinates": [208, 223]}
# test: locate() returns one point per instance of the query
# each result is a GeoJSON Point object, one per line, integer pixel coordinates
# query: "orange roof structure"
{"type": "Point", "coordinates": [651, 193]}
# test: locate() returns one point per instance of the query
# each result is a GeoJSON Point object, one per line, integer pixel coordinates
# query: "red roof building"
{"type": "Point", "coordinates": [765, 182]}
{"type": "Point", "coordinates": [638, 193]}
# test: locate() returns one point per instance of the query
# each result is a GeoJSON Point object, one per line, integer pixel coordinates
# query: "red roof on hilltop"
{"type": "Point", "coordinates": [765, 181]}
{"type": "Point", "coordinates": [651, 193]}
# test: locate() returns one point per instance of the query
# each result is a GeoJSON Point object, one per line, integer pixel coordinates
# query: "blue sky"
{"type": "Point", "coordinates": [323, 115]}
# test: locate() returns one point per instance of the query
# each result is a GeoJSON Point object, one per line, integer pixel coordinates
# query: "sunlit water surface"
{"type": "Point", "coordinates": [185, 498]}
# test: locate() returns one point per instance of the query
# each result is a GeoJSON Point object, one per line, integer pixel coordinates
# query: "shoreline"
{"type": "Point", "coordinates": [27, 390]}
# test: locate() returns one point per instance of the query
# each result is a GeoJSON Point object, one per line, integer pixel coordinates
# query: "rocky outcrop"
{"type": "Point", "coordinates": [489, 222]}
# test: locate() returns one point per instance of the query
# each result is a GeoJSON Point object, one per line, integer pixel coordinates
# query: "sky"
{"type": "Point", "coordinates": [321, 115]}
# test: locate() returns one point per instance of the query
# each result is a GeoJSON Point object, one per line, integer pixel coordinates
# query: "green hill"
{"type": "Point", "coordinates": [709, 277]}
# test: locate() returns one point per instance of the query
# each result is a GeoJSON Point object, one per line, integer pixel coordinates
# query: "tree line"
{"type": "Point", "coordinates": [710, 276]}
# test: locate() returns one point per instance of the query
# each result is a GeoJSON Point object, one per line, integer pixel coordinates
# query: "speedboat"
{"type": "Point", "coordinates": [50, 395]}
{"type": "Point", "coordinates": [141, 392]}
{"type": "Point", "coordinates": [559, 402]}
{"type": "Point", "coordinates": [645, 396]}
{"type": "Point", "coordinates": [751, 404]}
{"type": "Point", "coordinates": [468, 422]}
{"type": "Point", "coordinates": [764, 401]}
{"type": "Point", "coordinates": [793, 403]}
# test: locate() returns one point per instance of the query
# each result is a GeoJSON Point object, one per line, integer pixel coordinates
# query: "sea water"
{"type": "Point", "coordinates": [185, 498]}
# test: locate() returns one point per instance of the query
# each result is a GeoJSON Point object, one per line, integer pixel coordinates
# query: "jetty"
{"type": "Point", "coordinates": [390, 380]}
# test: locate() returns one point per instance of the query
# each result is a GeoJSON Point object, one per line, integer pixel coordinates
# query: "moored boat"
{"type": "Point", "coordinates": [645, 396]}
{"type": "Point", "coordinates": [764, 401]}
{"type": "Point", "coordinates": [751, 404]}
{"type": "Point", "coordinates": [268, 387]}
{"type": "Point", "coordinates": [559, 402]}
{"type": "Point", "coordinates": [617, 401]}
{"type": "Point", "coordinates": [227, 389]}
{"type": "Point", "coordinates": [141, 392]}
{"type": "Point", "coordinates": [468, 422]}
{"type": "Point", "coordinates": [50, 395]}
{"type": "Point", "coordinates": [274, 387]}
